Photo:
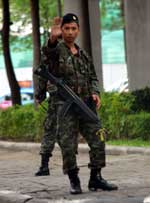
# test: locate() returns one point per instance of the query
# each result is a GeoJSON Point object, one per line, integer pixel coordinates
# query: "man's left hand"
{"type": "Point", "coordinates": [97, 100]}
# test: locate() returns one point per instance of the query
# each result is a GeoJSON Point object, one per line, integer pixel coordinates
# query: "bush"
{"type": "Point", "coordinates": [142, 100]}
{"type": "Point", "coordinates": [24, 123]}
{"type": "Point", "coordinates": [113, 112]}
{"type": "Point", "coordinates": [21, 123]}
{"type": "Point", "coordinates": [122, 120]}
{"type": "Point", "coordinates": [138, 126]}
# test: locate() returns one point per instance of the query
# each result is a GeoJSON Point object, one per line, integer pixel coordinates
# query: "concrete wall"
{"type": "Point", "coordinates": [137, 17]}
{"type": "Point", "coordinates": [94, 22]}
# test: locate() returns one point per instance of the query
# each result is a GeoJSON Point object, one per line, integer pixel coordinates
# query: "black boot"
{"type": "Point", "coordinates": [97, 182]}
{"type": "Point", "coordinates": [43, 170]}
{"type": "Point", "coordinates": [75, 187]}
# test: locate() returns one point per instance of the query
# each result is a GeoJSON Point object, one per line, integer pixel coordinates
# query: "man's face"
{"type": "Point", "coordinates": [70, 32]}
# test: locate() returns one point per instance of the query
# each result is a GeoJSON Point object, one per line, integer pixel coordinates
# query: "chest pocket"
{"type": "Point", "coordinates": [82, 67]}
{"type": "Point", "coordinates": [66, 65]}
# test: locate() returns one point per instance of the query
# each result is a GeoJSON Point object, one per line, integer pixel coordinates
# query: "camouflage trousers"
{"type": "Point", "coordinates": [64, 131]}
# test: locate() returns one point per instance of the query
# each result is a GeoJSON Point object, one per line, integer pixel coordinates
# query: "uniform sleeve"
{"type": "Point", "coordinates": [94, 83]}
{"type": "Point", "coordinates": [49, 59]}
{"type": "Point", "coordinates": [41, 83]}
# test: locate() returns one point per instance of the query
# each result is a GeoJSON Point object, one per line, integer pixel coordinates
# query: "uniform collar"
{"type": "Point", "coordinates": [78, 48]}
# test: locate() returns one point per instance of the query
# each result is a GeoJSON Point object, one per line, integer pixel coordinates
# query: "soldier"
{"type": "Point", "coordinates": [66, 60]}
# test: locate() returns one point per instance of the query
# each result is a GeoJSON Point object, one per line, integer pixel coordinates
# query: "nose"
{"type": "Point", "coordinates": [70, 31]}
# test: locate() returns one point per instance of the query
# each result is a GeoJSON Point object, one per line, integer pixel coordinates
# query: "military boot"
{"type": "Point", "coordinates": [43, 170]}
{"type": "Point", "coordinates": [75, 187]}
{"type": "Point", "coordinates": [97, 182]}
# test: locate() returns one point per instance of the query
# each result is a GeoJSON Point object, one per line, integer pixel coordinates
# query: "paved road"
{"type": "Point", "coordinates": [131, 172]}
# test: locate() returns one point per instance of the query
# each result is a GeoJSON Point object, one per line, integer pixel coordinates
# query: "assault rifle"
{"type": "Point", "coordinates": [68, 95]}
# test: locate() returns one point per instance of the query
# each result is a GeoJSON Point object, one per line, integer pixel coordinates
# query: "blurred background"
{"type": "Point", "coordinates": [112, 41]}
{"type": "Point", "coordinates": [114, 32]}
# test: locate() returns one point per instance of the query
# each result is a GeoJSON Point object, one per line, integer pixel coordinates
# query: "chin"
{"type": "Point", "coordinates": [70, 39]}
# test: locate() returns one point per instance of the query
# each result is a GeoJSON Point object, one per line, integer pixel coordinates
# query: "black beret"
{"type": "Point", "coordinates": [70, 17]}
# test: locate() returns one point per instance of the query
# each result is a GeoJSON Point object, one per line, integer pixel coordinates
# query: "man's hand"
{"type": "Point", "coordinates": [55, 29]}
{"type": "Point", "coordinates": [97, 100]}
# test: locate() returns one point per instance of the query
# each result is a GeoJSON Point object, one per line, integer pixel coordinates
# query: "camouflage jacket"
{"type": "Point", "coordinates": [77, 71]}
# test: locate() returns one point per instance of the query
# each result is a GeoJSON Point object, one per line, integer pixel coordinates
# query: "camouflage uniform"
{"type": "Point", "coordinates": [78, 73]}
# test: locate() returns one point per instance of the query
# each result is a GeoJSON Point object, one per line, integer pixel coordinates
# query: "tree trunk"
{"type": "Point", "coordinates": [59, 8]}
{"type": "Point", "coordinates": [14, 87]}
{"type": "Point", "coordinates": [36, 37]}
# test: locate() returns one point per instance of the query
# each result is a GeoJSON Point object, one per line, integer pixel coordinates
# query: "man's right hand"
{"type": "Point", "coordinates": [55, 29]}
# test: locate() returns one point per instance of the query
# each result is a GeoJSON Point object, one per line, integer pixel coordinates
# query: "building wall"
{"type": "Point", "coordinates": [137, 17]}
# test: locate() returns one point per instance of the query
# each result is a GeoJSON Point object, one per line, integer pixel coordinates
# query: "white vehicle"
{"type": "Point", "coordinates": [119, 86]}
{"type": "Point", "coordinates": [26, 98]}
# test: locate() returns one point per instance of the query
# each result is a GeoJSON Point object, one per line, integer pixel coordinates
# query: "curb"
{"type": "Point", "coordinates": [110, 150]}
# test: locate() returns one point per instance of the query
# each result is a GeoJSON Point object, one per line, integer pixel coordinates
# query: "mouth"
{"type": "Point", "coordinates": [70, 38]}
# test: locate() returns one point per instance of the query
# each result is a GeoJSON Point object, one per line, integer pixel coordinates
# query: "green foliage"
{"type": "Point", "coordinates": [24, 123]}
{"type": "Point", "coordinates": [134, 142]}
{"type": "Point", "coordinates": [142, 100]}
{"type": "Point", "coordinates": [21, 123]}
{"type": "Point", "coordinates": [138, 126]}
{"type": "Point", "coordinates": [120, 120]}
{"type": "Point", "coordinates": [48, 10]}
{"type": "Point", "coordinates": [21, 17]}
{"type": "Point", "coordinates": [114, 111]}
{"type": "Point", "coordinates": [20, 12]}
{"type": "Point", "coordinates": [111, 14]}
{"type": "Point", "coordinates": [25, 42]}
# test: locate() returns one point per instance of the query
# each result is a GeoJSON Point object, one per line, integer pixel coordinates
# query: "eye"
{"type": "Point", "coordinates": [67, 28]}
{"type": "Point", "coordinates": [74, 28]}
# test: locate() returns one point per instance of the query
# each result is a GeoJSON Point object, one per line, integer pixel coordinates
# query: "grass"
{"type": "Point", "coordinates": [135, 143]}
